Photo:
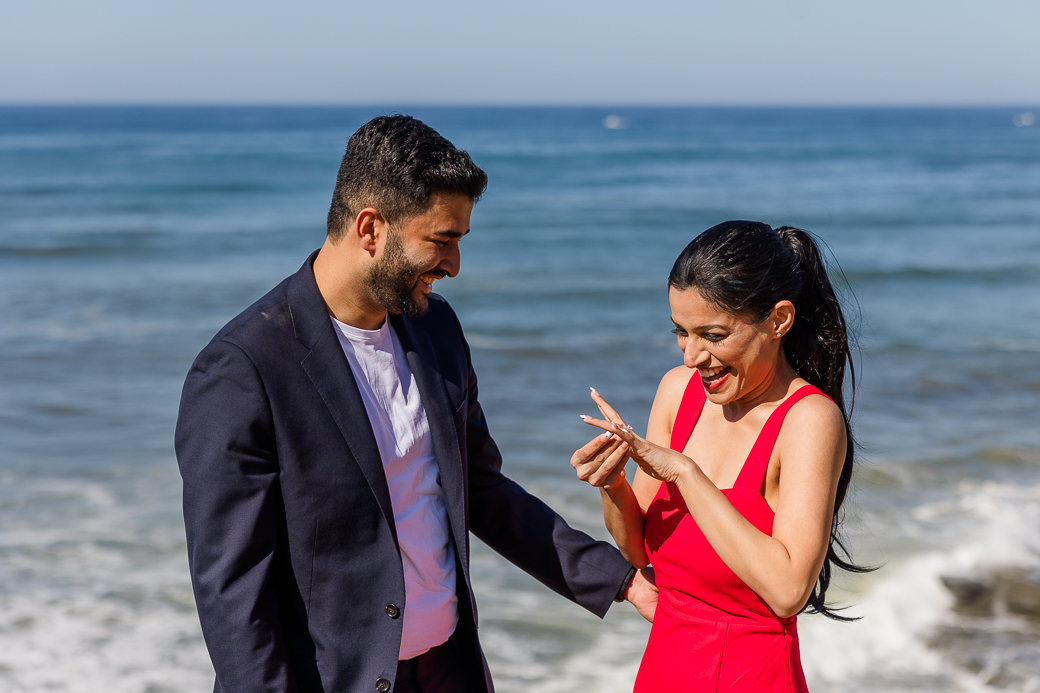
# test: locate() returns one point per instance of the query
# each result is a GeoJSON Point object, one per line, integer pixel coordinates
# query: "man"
{"type": "Point", "coordinates": [335, 456]}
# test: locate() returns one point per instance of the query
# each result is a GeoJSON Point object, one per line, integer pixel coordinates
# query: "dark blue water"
{"type": "Point", "coordinates": [128, 236]}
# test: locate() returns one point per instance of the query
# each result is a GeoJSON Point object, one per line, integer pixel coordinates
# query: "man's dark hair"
{"type": "Point", "coordinates": [394, 163]}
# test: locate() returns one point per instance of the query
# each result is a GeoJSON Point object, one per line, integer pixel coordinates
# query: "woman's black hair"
{"type": "Point", "coordinates": [745, 268]}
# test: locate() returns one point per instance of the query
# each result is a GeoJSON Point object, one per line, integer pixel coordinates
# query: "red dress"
{"type": "Point", "coordinates": [711, 632]}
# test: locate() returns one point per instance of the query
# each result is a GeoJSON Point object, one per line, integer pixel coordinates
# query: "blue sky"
{"type": "Point", "coordinates": [531, 52]}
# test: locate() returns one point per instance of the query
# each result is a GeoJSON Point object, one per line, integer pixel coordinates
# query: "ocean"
{"type": "Point", "coordinates": [129, 236]}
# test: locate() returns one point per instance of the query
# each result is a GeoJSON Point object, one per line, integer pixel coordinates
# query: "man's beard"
{"type": "Point", "coordinates": [392, 280]}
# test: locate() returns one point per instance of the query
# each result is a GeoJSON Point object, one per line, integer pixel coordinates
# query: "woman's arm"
{"type": "Point", "coordinates": [601, 462]}
{"type": "Point", "coordinates": [783, 568]}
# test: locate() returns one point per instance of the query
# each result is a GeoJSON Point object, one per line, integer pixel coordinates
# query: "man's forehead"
{"type": "Point", "coordinates": [447, 216]}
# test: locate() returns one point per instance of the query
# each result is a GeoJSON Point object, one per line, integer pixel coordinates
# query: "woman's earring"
{"type": "Point", "coordinates": [779, 334]}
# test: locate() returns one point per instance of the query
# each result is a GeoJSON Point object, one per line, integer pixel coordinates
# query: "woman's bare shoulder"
{"type": "Point", "coordinates": [817, 409]}
{"type": "Point", "coordinates": [673, 384]}
{"type": "Point", "coordinates": [814, 422]}
{"type": "Point", "coordinates": [666, 403]}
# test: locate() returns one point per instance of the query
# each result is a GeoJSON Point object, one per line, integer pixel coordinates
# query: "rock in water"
{"type": "Point", "coordinates": [994, 631]}
{"type": "Point", "coordinates": [973, 597]}
{"type": "Point", "coordinates": [1019, 590]}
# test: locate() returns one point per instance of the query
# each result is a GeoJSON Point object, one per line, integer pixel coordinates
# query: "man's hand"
{"type": "Point", "coordinates": [642, 593]}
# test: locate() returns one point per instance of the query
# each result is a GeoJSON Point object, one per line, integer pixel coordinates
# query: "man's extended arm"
{"type": "Point", "coordinates": [528, 532]}
{"type": "Point", "coordinates": [225, 450]}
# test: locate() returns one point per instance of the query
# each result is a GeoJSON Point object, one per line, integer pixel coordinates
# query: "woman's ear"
{"type": "Point", "coordinates": [782, 318]}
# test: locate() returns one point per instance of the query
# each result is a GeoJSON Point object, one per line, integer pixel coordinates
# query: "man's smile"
{"type": "Point", "coordinates": [430, 277]}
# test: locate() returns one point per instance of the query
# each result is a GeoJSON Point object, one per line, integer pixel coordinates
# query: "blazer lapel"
{"type": "Point", "coordinates": [421, 359]}
{"type": "Point", "coordinates": [329, 371]}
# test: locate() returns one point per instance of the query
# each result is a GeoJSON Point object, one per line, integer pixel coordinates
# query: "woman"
{"type": "Point", "coordinates": [744, 467]}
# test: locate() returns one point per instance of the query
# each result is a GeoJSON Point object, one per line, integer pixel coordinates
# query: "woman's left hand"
{"type": "Point", "coordinates": [658, 462]}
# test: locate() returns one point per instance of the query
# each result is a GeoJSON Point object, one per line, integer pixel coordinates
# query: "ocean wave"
{"type": "Point", "coordinates": [1008, 345]}
{"type": "Point", "coordinates": [52, 642]}
{"type": "Point", "coordinates": [1011, 273]}
{"type": "Point", "coordinates": [100, 242]}
{"type": "Point", "coordinates": [66, 250]}
{"type": "Point", "coordinates": [94, 591]}
{"type": "Point", "coordinates": [557, 345]}
{"type": "Point", "coordinates": [898, 644]}
{"type": "Point", "coordinates": [92, 328]}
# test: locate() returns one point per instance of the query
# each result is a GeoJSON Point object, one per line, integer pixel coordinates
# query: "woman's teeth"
{"type": "Point", "coordinates": [713, 373]}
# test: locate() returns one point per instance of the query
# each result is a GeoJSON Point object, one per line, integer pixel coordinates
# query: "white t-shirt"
{"type": "Point", "coordinates": [402, 433]}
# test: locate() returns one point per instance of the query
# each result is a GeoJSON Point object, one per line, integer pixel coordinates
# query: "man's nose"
{"type": "Point", "coordinates": [452, 260]}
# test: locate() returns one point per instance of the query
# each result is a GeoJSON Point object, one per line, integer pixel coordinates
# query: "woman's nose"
{"type": "Point", "coordinates": [695, 354]}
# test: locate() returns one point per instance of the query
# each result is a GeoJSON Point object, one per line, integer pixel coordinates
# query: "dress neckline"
{"type": "Point", "coordinates": [692, 405]}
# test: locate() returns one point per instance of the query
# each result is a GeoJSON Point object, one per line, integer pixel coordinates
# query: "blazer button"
{"type": "Point", "coordinates": [382, 685]}
{"type": "Point", "coordinates": [392, 611]}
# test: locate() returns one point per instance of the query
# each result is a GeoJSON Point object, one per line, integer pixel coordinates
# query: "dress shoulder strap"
{"type": "Point", "coordinates": [754, 470]}
{"type": "Point", "coordinates": [689, 412]}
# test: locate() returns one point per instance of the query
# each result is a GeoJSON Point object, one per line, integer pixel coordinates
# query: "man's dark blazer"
{"type": "Point", "coordinates": [291, 538]}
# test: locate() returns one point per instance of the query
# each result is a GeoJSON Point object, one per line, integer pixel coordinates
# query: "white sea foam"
{"type": "Point", "coordinates": [102, 602]}
{"type": "Point", "coordinates": [888, 649]}
{"type": "Point", "coordinates": [60, 642]}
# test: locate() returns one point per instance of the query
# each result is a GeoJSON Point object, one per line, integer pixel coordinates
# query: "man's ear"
{"type": "Point", "coordinates": [368, 228]}
{"type": "Point", "coordinates": [782, 318]}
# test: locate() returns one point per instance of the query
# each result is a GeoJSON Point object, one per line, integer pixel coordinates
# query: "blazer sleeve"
{"type": "Point", "coordinates": [232, 504]}
{"type": "Point", "coordinates": [528, 532]}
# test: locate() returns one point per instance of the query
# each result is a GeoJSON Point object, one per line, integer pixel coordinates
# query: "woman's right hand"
{"type": "Point", "coordinates": [601, 461]}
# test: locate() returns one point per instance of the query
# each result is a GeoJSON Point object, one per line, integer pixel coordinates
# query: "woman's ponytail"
{"type": "Point", "coordinates": [817, 347]}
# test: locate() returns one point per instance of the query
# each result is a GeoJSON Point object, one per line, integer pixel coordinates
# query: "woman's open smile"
{"type": "Point", "coordinates": [713, 378]}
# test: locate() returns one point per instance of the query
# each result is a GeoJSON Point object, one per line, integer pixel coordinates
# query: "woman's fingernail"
{"type": "Point", "coordinates": [594, 391]}
{"type": "Point", "coordinates": [607, 434]}
{"type": "Point", "coordinates": [582, 417]}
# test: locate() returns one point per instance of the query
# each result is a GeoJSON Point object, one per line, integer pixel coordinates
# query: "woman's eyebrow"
{"type": "Point", "coordinates": [700, 327]}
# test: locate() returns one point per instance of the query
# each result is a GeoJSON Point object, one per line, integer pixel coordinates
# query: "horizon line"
{"type": "Point", "coordinates": [532, 105]}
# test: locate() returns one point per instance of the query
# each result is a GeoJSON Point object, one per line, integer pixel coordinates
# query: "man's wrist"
{"type": "Point", "coordinates": [625, 584]}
